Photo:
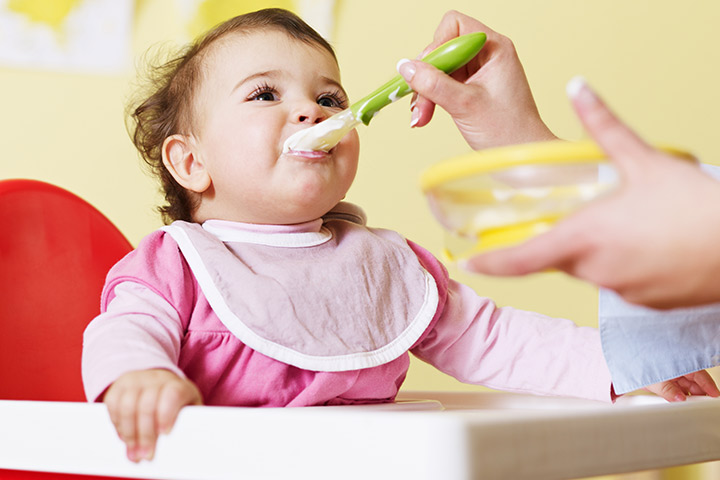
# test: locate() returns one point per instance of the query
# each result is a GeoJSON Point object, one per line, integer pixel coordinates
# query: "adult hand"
{"type": "Point", "coordinates": [145, 403]}
{"type": "Point", "coordinates": [489, 98]}
{"type": "Point", "coordinates": [654, 240]}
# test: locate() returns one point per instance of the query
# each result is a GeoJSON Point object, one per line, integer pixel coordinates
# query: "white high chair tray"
{"type": "Point", "coordinates": [426, 435]}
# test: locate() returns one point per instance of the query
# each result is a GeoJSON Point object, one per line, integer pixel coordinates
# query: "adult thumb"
{"type": "Point", "coordinates": [433, 84]}
{"type": "Point", "coordinates": [618, 141]}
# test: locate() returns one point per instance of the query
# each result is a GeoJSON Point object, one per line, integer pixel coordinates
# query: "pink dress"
{"type": "Point", "coordinates": [321, 313]}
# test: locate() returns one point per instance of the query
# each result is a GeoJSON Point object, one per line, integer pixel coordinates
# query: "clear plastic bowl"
{"type": "Point", "coordinates": [498, 197]}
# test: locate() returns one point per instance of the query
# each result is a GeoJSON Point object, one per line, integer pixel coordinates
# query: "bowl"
{"type": "Point", "coordinates": [502, 196]}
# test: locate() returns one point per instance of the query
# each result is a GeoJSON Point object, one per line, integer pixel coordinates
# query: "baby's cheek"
{"type": "Point", "coordinates": [354, 138]}
{"type": "Point", "coordinates": [351, 145]}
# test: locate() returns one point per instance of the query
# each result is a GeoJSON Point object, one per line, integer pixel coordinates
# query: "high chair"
{"type": "Point", "coordinates": [55, 250]}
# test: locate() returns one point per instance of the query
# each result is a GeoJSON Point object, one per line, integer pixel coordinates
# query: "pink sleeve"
{"type": "Point", "coordinates": [138, 331]}
{"type": "Point", "coordinates": [158, 264]}
{"type": "Point", "coordinates": [513, 350]}
{"type": "Point", "coordinates": [146, 303]}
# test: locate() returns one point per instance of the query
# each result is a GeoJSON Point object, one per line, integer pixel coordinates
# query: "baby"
{"type": "Point", "coordinates": [266, 290]}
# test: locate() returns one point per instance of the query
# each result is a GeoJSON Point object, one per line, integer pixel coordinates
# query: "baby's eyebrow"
{"type": "Point", "coordinates": [334, 83]}
{"type": "Point", "coordinates": [280, 73]}
{"type": "Point", "coordinates": [249, 78]}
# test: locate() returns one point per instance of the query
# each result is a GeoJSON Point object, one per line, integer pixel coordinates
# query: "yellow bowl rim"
{"type": "Point", "coordinates": [554, 152]}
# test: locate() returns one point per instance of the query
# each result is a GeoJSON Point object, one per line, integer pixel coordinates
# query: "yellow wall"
{"type": "Point", "coordinates": [654, 60]}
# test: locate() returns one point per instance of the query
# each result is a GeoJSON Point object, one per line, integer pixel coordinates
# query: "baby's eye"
{"type": "Point", "coordinates": [264, 97]}
{"type": "Point", "coordinates": [328, 102]}
{"type": "Point", "coordinates": [332, 100]}
{"type": "Point", "coordinates": [264, 93]}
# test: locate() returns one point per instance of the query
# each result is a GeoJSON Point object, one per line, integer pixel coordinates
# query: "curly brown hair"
{"type": "Point", "coordinates": [165, 104]}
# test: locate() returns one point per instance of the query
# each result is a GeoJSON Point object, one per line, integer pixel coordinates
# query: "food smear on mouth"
{"type": "Point", "coordinates": [323, 136]}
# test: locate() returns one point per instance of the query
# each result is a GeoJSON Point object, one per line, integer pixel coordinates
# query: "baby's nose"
{"type": "Point", "coordinates": [305, 119]}
{"type": "Point", "coordinates": [310, 113]}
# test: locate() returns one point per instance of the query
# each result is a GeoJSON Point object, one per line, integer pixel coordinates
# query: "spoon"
{"type": "Point", "coordinates": [448, 57]}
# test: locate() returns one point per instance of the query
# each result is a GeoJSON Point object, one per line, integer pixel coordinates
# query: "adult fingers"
{"type": "Point", "coordinates": [421, 108]}
{"type": "Point", "coordinates": [421, 111]}
{"type": "Point", "coordinates": [621, 143]}
{"type": "Point", "coordinates": [557, 248]}
{"type": "Point", "coordinates": [454, 24]}
{"type": "Point", "coordinates": [434, 85]}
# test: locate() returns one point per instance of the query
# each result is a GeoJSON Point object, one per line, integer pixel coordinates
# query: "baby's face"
{"type": "Point", "coordinates": [258, 89]}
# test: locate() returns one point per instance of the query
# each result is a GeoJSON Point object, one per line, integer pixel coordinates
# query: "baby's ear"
{"type": "Point", "coordinates": [183, 163]}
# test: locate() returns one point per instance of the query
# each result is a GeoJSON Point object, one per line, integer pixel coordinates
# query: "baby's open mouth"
{"type": "Point", "coordinates": [311, 154]}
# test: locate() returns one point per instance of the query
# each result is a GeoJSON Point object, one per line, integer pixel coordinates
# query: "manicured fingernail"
{"type": "Point", "coordinates": [680, 397]}
{"type": "Point", "coordinates": [406, 69]}
{"type": "Point", "coordinates": [575, 85]}
{"type": "Point", "coordinates": [414, 117]}
{"type": "Point", "coordinates": [580, 92]}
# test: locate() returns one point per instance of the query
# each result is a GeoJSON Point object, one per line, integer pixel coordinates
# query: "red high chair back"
{"type": "Point", "coordinates": [55, 250]}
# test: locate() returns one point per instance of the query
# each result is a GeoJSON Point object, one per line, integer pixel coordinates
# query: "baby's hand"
{"type": "Point", "coordinates": [144, 404]}
{"type": "Point", "coordinates": [676, 390]}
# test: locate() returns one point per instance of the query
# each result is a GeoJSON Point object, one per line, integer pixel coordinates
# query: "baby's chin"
{"type": "Point", "coordinates": [309, 206]}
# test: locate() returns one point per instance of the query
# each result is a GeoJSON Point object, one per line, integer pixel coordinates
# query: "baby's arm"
{"type": "Point", "coordinates": [138, 330]}
{"type": "Point", "coordinates": [143, 404]}
{"type": "Point", "coordinates": [508, 349]}
{"type": "Point", "coordinates": [676, 390]}
{"type": "Point", "coordinates": [130, 352]}
{"type": "Point", "coordinates": [513, 350]}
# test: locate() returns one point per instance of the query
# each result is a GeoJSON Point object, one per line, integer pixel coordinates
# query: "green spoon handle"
{"type": "Point", "coordinates": [448, 57]}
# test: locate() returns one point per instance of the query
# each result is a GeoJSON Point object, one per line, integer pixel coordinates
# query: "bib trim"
{"type": "Point", "coordinates": [337, 363]}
